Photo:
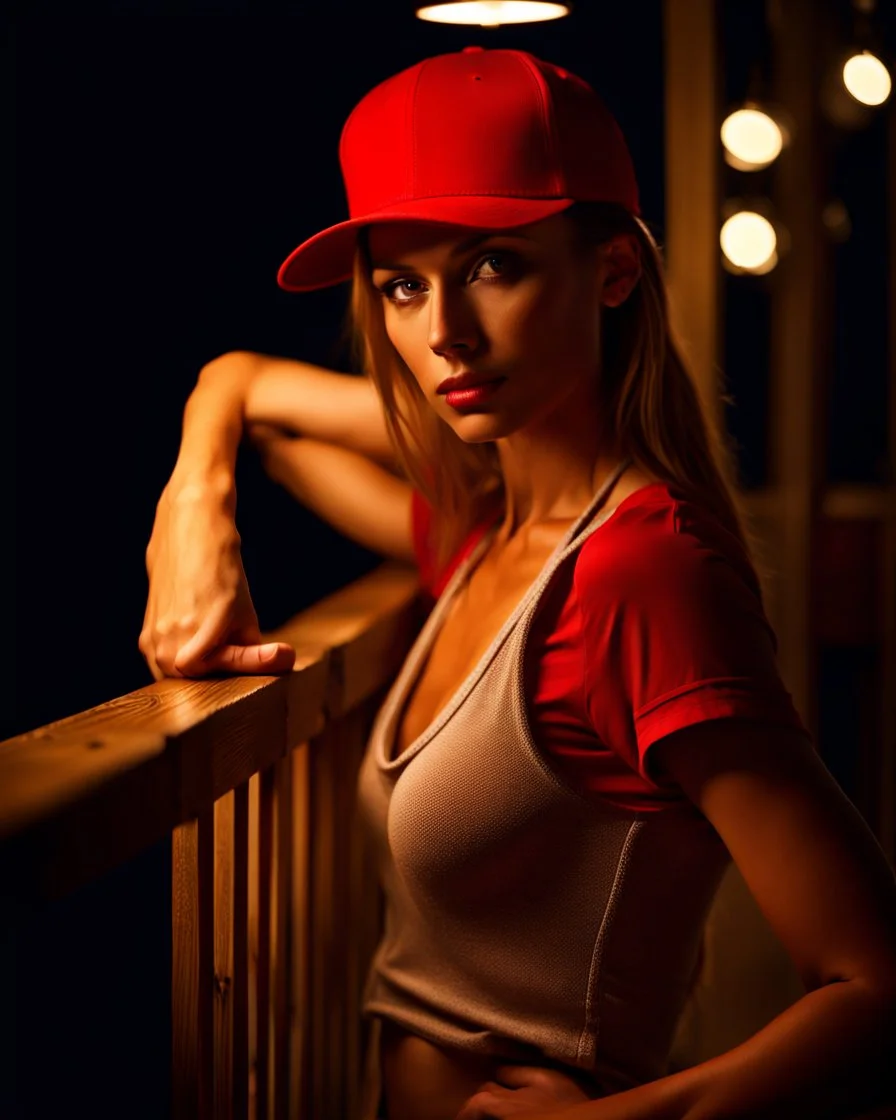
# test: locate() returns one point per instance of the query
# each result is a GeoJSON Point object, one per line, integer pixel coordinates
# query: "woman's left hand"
{"type": "Point", "coordinates": [525, 1091]}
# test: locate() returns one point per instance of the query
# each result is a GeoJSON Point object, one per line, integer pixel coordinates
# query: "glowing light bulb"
{"type": "Point", "coordinates": [749, 242]}
{"type": "Point", "coordinates": [492, 13]}
{"type": "Point", "coordinates": [752, 139]}
{"type": "Point", "coordinates": [867, 79]}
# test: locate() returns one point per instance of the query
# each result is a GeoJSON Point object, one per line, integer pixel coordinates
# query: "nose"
{"type": "Point", "coordinates": [452, 321]}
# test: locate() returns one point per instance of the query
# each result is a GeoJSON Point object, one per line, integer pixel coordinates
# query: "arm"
{"type": "Point", "coordinates": [824, 885]}
{"type": "Point", "coordinates": [241, 392]}
{"type": "Point", "coordinates": [199, 616]}
{"type": "Point", "coordinates": [823, 882]}
{"type": "Point", "coordinates": [348, 490]}
{"type": "Point", "coordinates": [306, 400]}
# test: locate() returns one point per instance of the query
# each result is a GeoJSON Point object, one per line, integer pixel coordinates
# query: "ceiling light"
{"type": "Point", "coordinates": [749, 243]}
{"type": "Point", "coordinates": [492, 13]}
{"type": "Point", "coordinates": [867, 78]}
{"type": "Point", "coordinates": [752, 138]}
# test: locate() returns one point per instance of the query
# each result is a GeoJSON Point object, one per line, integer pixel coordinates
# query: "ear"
{"type": "Point", "coordinates": [621, 263]}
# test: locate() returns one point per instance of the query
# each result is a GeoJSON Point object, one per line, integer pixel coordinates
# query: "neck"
{"type": "Point", "coordinates": [552, 471]}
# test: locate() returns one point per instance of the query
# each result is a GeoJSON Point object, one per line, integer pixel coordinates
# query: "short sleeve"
{"type": "Point", "coordinates": [421, 526]}
{"type": "Point", "coordinates": [674, 631]}
{"type": "Point", "coordinates": [434, 578]}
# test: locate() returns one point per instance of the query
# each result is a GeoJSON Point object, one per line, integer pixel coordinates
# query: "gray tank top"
{"type": "Point", "coordinates": [522, 920]}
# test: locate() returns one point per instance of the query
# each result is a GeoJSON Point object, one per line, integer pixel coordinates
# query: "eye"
{"type": "Point", "coordinates": [501, 258]}
{"type": "Point", "coordinates": [498, 264]}
{"type": "Point", "coordinates": [391, 290]}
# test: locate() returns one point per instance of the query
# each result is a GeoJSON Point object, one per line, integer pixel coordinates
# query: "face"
{"type": "Point", "coordinates": [517, 308]}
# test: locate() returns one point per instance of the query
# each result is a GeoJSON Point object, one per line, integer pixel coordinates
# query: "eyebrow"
{"type": "Point", "coordinates": [469, 243]}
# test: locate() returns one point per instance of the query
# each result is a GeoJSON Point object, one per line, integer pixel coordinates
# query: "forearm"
{"type": "Point", "coordinates": [214, 420]}
{"type": "Point", "coordinates": [357, 496]}
{"type": "Point", "coordinates": [824, 1057]}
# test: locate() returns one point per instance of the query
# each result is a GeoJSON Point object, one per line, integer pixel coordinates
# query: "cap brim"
{"type": "Point", "coordinates": [328, 257]}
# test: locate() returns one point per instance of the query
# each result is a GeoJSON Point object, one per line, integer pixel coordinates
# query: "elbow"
{"type": "Point", "coordinates": [245, 360]}
{"type": "Point", "coordinates": [263, 435]}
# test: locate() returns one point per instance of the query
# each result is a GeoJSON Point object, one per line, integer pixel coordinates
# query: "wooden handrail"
{"type": "Point", "coordinates": [275, 904]}
{"type": "Point", "coordinates": [84, 794]}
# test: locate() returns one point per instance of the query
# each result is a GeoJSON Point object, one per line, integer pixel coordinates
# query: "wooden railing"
{"type": "Point", "coordinates": [275, 904]}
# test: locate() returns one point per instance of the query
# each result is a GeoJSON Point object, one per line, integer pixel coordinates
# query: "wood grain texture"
{"type": "Point", "coordinates": [801, 339]}
{"type": "Point", "coordinates": [240, 982]}
{"type": "Point", "coordinates": [692, 157]}
{"type": "Point", "coordinates": [263, 1057]}
{"type": "Point", "coordinates": [222, 990]}
{"type": "Point", "coordinates": [281, 946]}
{"type": "Point", "coordinates": [84, 794]}
{"type": "Point", "coordinates": [299, 1030]}
{"type": "Point", "coordinates": [254, 788]}
{"type": "Point", "coordinates": [322, 1010]}
{"type": "Point", "coordinates": [192, 943]}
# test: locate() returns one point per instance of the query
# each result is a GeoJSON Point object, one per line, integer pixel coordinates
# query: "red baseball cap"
{"type": "Point", "coordinates": [488, 139]}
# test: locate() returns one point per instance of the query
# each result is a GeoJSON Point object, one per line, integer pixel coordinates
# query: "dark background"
{"type": "Point", "coordinates": [168, 157]}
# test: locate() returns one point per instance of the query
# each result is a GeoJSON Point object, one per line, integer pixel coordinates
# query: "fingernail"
{"type": "Point", "coordinates": [269, 652]}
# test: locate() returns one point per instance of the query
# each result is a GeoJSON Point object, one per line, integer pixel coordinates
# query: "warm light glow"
{"type": "Point", "coordinates": [752, 139]}
{"type": "Point", "coordinates": [748, 240]}
{"type": "Point", "coordinates": [867, 79]}
{"type": "Point", "coordinates": [492, 13]}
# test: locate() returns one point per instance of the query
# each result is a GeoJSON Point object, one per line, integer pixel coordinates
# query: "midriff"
{"type": "Point", "coordinates": [423, 1081]}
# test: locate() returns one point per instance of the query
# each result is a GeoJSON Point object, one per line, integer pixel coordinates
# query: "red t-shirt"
{"type": "Point", "coordinates": [656, 625]}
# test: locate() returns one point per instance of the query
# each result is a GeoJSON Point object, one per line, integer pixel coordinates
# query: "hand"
{"type": "Point", "coordinates": [199, 616]}
{"type": "Point", "coordinates": [526, 1091]}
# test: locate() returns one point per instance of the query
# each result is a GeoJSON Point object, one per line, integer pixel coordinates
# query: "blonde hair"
{"type": "Point", "coordinates": [654, 410]}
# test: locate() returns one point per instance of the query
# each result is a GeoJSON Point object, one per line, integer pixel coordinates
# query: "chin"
{"type": "Point", "coordinates": [481, 427]}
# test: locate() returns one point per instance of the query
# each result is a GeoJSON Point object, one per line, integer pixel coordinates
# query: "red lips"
{"type": "Point", "coordinates": [465, 380]}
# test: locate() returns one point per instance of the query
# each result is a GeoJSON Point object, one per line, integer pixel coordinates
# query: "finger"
{"type": "Point", "coordinates": [268, 659]}
{"type": "Point", "coordinates": [490, 1102]}
{"type": "Point", "coordinates": [472, 1111]}
{"type": "Point", "coordinates": [189, 659]}
{"type": "Point", "coordinates": [148, 654]}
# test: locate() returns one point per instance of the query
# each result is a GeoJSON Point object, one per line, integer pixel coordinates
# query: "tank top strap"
{"type": "Point", "coordinates": [594, 507]}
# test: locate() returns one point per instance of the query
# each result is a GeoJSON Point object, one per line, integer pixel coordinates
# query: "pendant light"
{"type": "Point", "coordinates": [864, 73]}
{"type": "Point", "coordinates": [492, 13]}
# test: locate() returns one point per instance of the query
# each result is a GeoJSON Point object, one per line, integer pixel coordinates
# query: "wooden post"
{"type": "Point", "coordinates": [887, 806]}
{"type": "Point", "coordinates": [800, 336]}
{"type": "Point", "coordinates": [692, 187]}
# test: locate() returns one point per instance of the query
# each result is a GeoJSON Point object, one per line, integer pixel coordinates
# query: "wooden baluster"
{"type": "Point", "coordinates": [252, 946]}
{"type": "Point", "coordinates": [351, 746]}
{"type": "Point", "coordinates": [280, 951]}
{"type": "Point", "coordinates": [223, 964]}
{"type": "Point", "coordinates": [192, 945]}
{"type": "Point", "coordinates": [342, 920]}
{"type": "Point", "coordinates": [322, 1012]}
{"type": "Point", "coordinates": [230, 965]}
{"type": "Point", "coordinates": [297, 1024]}
{"type": "Point", "coordinates": [364, 901]}
{"type": "Point", "coordinates": [263, 945]}
{"type": "Point", "coordinates": [239, 986]}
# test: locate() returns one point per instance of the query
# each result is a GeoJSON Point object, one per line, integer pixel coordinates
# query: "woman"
{"type": "Point", "coordinates": [591, 722]}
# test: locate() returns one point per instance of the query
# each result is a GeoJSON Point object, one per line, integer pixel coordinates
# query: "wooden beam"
{"type": "Point", "coordinates": [801, 328]}
{"type": "Point", "coordinates": [692, 98]}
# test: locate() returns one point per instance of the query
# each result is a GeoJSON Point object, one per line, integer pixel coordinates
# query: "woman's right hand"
{"type": "Point", "coordinates": [199, 617]}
